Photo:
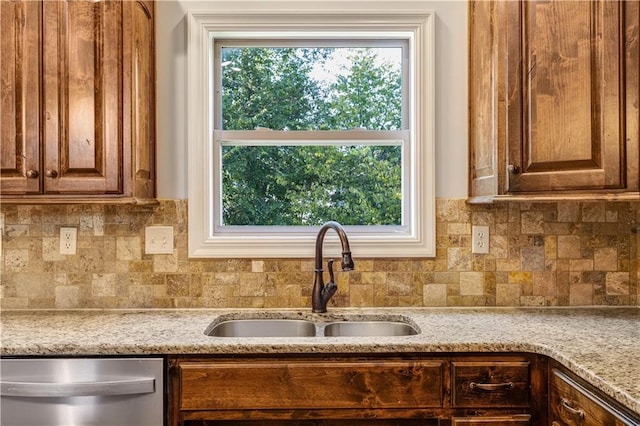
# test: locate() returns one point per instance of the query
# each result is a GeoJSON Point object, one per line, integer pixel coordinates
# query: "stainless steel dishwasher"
{"type": "Point", "coordinates": [81, 392]}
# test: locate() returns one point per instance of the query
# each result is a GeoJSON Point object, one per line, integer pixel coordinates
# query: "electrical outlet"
{"type": "Point", "coordinates": [480, 239]}
{"type": "Point", "coordinates": [158, 240]}
{"type": "Point", "coordinates": [68, 237]}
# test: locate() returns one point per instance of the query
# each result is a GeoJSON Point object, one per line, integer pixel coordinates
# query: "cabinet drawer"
{"type": "Point", "coordinates": [514, 420]}
{"type": "Point", "coordinates": [303, 384]}
{"type": "Point", "coordinates": [490, 384]}
{"type": "Point", "coordinates": [574, 405]}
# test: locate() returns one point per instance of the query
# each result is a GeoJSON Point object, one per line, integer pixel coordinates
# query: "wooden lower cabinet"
{"type": "Point", "coordinates": [490, 383]}
{"type": "Point", "coordinates": [341, 390]}
{"type": "Point", "coordinates": [317, 422]}
{"type": "Point", "coordinates": [575, 403]}
{"type": "Point", "coordinates": [515, 420]}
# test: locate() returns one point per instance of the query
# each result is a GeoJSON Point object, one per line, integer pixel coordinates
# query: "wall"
{"type": "Point", "coordinates": [451, 95]}
{"type": "Point", "coordinates": [542, 254]}
{"type": "Point", "coordinates": [564, 254]}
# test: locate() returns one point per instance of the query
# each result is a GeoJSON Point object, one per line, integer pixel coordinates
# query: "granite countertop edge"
{"type": "Point", "coordinates": [599, 344]}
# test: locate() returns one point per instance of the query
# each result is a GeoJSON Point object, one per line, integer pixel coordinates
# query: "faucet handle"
{"type": "Point", "coordinates": [330, 268]}
{"type": "Point", "coordinates": [331, 287]}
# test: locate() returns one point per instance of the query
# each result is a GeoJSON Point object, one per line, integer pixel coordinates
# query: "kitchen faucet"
{"type": "Point", "coordinates": [321, 292]}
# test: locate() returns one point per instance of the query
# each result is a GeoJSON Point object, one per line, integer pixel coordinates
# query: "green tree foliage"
{"type": "Point", "coordinates": [269, 88]}
{"type": "Point", "coordinates": [368, 97]}
{"type": "Point", "coordinates": [308, 185]}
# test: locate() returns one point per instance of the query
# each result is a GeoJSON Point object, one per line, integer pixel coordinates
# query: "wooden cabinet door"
{"type": "Point", "coordinates": [554, 105]}
{"type": "Point", "coordinates": [566, 122]}
{"type": "Point", "coordinates": [77, 100]}
{"type": "Point", "coordinates": [485, 99]}
{"type": "Point", "coordinates": [139, 125]}
{"type": "Point", "coordinates": [20, 25]}
{"type": "Point", "coordinates": [82, 55]}
{"type": "Point", "coordinates": [572, 404]}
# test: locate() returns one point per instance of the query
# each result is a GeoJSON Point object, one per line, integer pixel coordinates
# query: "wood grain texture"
{"type": "Point", "coordinates": [632, 93]}
{"type": "Point", "coordinates": [20, 25]}
{"type": "Point", "coordinates": [83, 89]}
{"type": "Point", "coordinates": [143, 99]}
{"type": "Point", "coordinates": [567, 130]}
{"type": "Point", "coordinates": [350, 389]}
{"type": "Point", "coordinates": [323, 422]}
{"type": "Point", "coordinates": [572, 404]}
{"type": "Point", "coordinates": [514, 420]}
{"type": "Point", "coordinates": [483, 91]}
{"type": "Point", "coordinates": [566, 103]}
{"type": "Point", "coordinates": [310, 385]}
{"type": "Point", "coordinates": [78, 101]}
{"type": "Point", "coordinates": [312, 417]}
{"type": "Point", "coordinates": [469, 377]}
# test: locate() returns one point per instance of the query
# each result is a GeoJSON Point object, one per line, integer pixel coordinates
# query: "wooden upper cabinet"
{"type": "Point", "coordinates": [565, 97]}
{"type": "Point", "coordinates": [140, 63]}
{"type": "Point", "coordinates": [20, 84]}
{"type": "Point", "coordinates": [553, 97]}
{"type": "Point", "coordinates": [90, 101]}
{"type": "Point", "coordinates": [82, 52]}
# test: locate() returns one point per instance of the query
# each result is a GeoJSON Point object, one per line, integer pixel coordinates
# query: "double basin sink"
{"type": "Point", "coordinates": [287, 327]}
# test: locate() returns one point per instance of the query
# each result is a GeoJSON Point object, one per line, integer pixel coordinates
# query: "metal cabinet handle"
{"type": "Point", "coordinates": [51, 173]}
{"type": "Point", "coordinates": [491, 386]}
{"type": "Point", "coordinates": [573, 411]}
{"type": "Point", "coordinates": [32, 174]}
{"type": "Point", "coordinates": [105, 388]}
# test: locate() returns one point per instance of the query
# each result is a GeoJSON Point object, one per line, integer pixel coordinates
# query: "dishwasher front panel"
{"type": "Point", "coordinates": [82, 392]}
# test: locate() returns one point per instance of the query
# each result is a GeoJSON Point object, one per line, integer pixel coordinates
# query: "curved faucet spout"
{"type": "Point", "coordinates": [321, 292]}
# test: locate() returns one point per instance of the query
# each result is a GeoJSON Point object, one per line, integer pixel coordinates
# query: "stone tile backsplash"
{"type": "Point", "coordinates": [564, 253]}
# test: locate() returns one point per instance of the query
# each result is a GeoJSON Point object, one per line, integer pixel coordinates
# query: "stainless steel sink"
{"type": "Point", "coordinates": [369, 328]}
{"type": "Point", "coordinates": [290, 327]}
{"type": "Point", "coordinates": [263, 328]}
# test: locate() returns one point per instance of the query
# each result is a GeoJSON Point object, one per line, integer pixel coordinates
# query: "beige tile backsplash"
{"type": "Point", "coordinates": [564, 253]}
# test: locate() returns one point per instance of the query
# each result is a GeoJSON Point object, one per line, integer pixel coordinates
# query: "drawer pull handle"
{"type": "Point", "coordinates": [573, 411]}
{"type": "Point", "coordinates": [491, 386]}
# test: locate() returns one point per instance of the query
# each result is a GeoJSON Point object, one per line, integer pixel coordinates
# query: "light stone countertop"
{"type": "Point", "coordinates": [601, 345]}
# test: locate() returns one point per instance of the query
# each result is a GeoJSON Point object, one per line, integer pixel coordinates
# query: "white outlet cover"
{"type": "Point", "coordinates": [480, 239]}
{"type": "Point", "coordinates": [68, 240]}
{"type": "Point", "coordinates": [158, 240]}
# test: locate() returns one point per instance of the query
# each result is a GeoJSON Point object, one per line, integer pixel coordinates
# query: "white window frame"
{"type": "Point", "coordinates": [317, 19]}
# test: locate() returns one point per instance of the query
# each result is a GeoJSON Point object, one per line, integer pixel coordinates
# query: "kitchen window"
{"type": "Point", "coordinates": [300, 117]}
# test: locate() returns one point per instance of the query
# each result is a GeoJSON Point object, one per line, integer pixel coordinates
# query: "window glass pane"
{"type": "Point", "coordinates": [309, 88]}
{"type": "Point", "coordinates": [308, 185]}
